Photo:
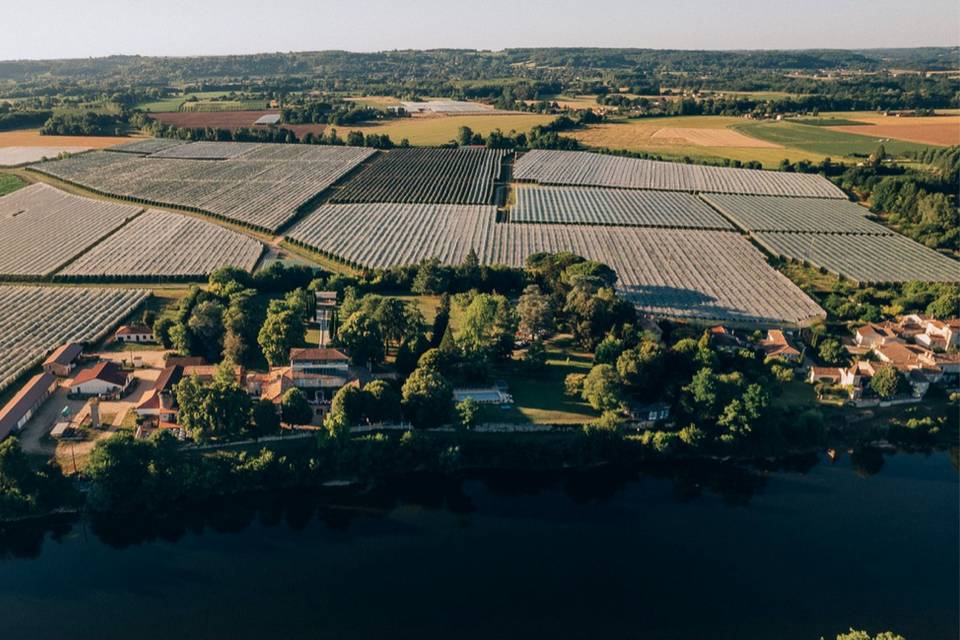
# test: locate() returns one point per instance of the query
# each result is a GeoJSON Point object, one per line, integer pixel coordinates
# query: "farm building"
{"type": "Point", "coordinates": [60, 362]}
{"type": "Point", "coordinates": [443, 107]}
{"type": "Point", "coordinates": [104, 379]}
{"type": "Point", "coordinates": [16, 413]}
{"type": "Point", "coordinates": [268, 120]}
{"type": "Point", "coordinates": [134, 333]}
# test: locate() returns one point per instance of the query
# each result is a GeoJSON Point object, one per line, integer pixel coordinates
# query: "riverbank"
{"type": "Point", "coordinates": [797, 549]}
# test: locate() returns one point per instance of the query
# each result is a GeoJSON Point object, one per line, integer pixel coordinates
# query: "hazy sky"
{"type": "Point", "coordinates": [82, 28]}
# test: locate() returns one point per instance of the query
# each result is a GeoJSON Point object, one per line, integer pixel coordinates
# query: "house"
{"type": "Point", "coordinates": [648, 414]}
{"type": "Point", "coordinates": [134, 333]}
{"type": "Point", "coordinates": [322, 371]}
{"type": "Point", "coordinates": [907, 358]}
{"type": "Point", "coordinates": [271, 385]}
{"type": "Point", "coordinates": [827, 375]}
{"type": "Point", "coordinates": [724, 339]}
{"type": "Point", "coordinates": [776, 345]}
{"type": "Point", "coordinates": [104, 379]}
{"type": "Point", "coordinates": [160, 402]}
{"type": "Point", "coordinates": [60, 362]}
{"type": "Point", "coordinates": [939, 335]}
{"type": "Point", "coordinates": [21, 407]}
{"type": "Point", "coordinates": [876, 334]}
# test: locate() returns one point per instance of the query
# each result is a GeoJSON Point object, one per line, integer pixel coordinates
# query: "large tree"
{"type": "Point", "coordinates": [281, 331]}
{"type": "Point", "coordinates": [294, 407]}
{"type": "Point", "coordinates": [535, 313]}
{"type": "Point", "coordinates": [427, 398]}
{"type": "Point", "coordinates": [888, 382]}
{"type": "Point", "coordinates": [601, 388]}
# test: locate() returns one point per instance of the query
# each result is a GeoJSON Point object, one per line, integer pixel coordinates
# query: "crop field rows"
{"type": "Point", "coordinates": [622, 207]}
{"type": "Point", "coordinates": [380, 235]}
{"type": "Point", "coordinates": [146, 146]}
{"type": "Point", "coordinates": [36, 320]}
{"type": "Point", "coordinates": [461, 176]}
{"type": "Point", "coordinates": [207, 150]}
{"type": "Point", "coordinates": [264, 188]}
{"type": "Point", "coordinates": [161, 244]}
{"type": "Point", "coordinates": [43, 228]}
{"type": "Point", "coordinates": [813, 215]}
{"type": "Point", "coordinates": [715, 275]}
{"type": "Point", "coordinates": [864, 258]}
{"type": "Point", "coordinates": [578, 168]}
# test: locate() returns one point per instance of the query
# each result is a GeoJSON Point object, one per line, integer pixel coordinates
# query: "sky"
{"type": "Point", "coordinates": [40, 29]}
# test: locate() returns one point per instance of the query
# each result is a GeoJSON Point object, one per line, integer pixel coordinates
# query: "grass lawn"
{"type": "Point", "coordinates": [796, 395]}
{"type": "Point", "coordinates": [10, 183]}
{"type": "Point", "coordinates": [823, 140]}
{"type": "Point", "coordinates": [809, 278]}
{"type": "Point", "coordinates": [540, 398]}
{"type": "Point", "coordinates": [430, 131]}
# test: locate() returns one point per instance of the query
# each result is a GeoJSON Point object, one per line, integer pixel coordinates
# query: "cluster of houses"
{"type": "Point", "coordinates": [922, 348]}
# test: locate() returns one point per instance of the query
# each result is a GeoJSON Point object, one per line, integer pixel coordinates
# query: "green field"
{"type": "Point", "coordinates": [172, 103]}
{"type": "Point", "coordinates": [9, 183]}
{"type": "Point", "coordinates": [213, 106]}
{"type": "Point", "coordinates": [822, 140]}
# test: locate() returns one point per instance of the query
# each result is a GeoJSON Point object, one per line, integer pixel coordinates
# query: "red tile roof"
{"type": "Point", "coordinates": [106, 371]}
{"type": "Point", "coordinates": [132, 329]}
{"type": "Point", "coordinates": [24, 400]}
{"type": "Point", "coordinates": [326, 355]}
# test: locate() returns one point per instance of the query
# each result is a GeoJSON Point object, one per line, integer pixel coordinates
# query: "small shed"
{"type": "Point", "coordinates": [60, 362]}
{"type": "Point", "coordinates": [268, 120]}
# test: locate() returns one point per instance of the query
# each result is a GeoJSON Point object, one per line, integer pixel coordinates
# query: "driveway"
{"type": "Point", "coordinates": [31, 438]}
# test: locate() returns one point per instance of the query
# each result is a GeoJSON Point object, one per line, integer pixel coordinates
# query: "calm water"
{"type": "Point", "coordinates": [707, 552]}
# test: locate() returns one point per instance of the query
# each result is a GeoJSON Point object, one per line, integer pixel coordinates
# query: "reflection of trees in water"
{"type": "Point", "coordinates": [867, 461]}
{"type": "Point", "coordinates": [955, 458]}
{"type": "Point", "coordinates": [25, 539]}
{"type": "Point", "coordinates": [340, 511]}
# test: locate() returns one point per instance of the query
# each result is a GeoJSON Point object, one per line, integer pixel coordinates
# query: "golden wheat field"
{"type": "Point", "coordinates": [937, 130]}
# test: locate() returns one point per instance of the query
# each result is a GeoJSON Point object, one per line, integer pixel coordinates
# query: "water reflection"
{"type": "Point", "coordinates": [339, 510]}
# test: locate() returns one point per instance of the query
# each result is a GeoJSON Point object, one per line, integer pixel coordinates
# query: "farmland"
{"type": "Point", "coordinates": [441, 130]}
{"type": "Point", "coordinates": [940, 130]}
{"type": "Point", "coordinates": [824, 141]}
{"type": "Point", "coordinates": [590, 205]}
{"type": "Point", "coordinates": [32, 138]}
{"type": "Point", "coordinates": [42, 228]}
{"type": "Point", "coordinates": [229, 120]}
{"type": "Point", "coordinates": [770, 213]}
{"type": "Point", "coordinates": [386, 235]}
{"type": "Point", "coordinates": [36, 320]}
{"type": "Point", "coordinates": [693, 136]}
{"type": "Point", "coordinates": [15, 156]}
{"type": "Point", "coordinates": [172, 103]}
{"type": "Point", "coordinates": [164, 245]}
{"type": "Point", "coordinates": [701, 274]}
{"type": "Point", "coordinates": [864, 258]}
{"type": "Point", "coordinates": [9, 183]}
{"type": "Point", "coordinates": [464, 176]}
{"type": "Point", "coordinates": [588, 169]}
{"type": "Point", "coordinates": [259, 185]}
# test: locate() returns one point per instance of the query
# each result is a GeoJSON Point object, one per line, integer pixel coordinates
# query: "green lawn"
{"type": "Point", "coordinates": [10, 183]}
{"type": "Point", "coordinates": [539, 398]}
{"type": "Point", "coordinates": [822, 139]}
{"type": "Point", "coordinates": [796, 395]}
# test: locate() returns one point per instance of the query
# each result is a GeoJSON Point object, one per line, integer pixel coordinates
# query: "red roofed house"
{"type": "Point", "coordinates": [18, 411]}
{"type": "Point", "coordinates": [60, 362]}
{"type": "Point", "coordinates": [104, 379]}
{"type": "Point", "coordinates": [776, 345]}
{"type": "Point", "coordinates": [940, 335]}
{"type": "Point", "coordinates": [134, 333]}
{"type": "Point", "coordinates": [874, 335]}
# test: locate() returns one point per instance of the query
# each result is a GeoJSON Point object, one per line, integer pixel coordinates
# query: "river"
{"type": "Point", "coordinates": [791, 552]}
